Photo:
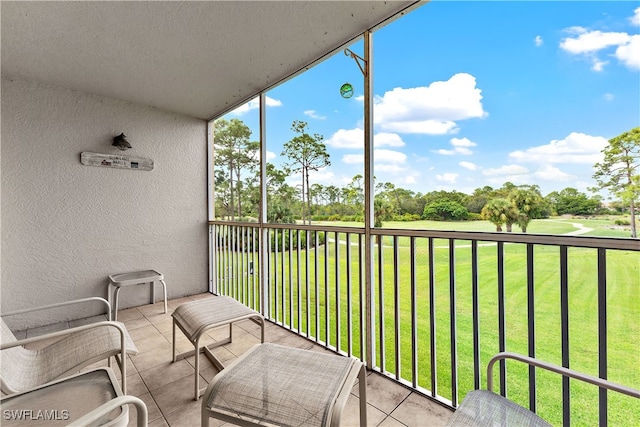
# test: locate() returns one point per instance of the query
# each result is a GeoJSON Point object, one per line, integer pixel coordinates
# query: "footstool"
{"type": "Point", "coordinates": [197, 317]}
{"type": "Point", "coordinates": [117, 281]}
{"type": "Point", "coordinates": [276, 385]}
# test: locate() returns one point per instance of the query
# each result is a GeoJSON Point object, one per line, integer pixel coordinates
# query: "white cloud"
{"type": "Point", "coordinates": [469, 165]}
{"type": "Point", "coordinates": [552, 174]}
{"type": "Point", "coordinates": [593, 41]}
{"type": "Point", "coordinates": [352, 159]}
{"type": "Point", "coordinates": [462, 142]}
{"type": "Point", "coordinates": [629, 54]}
{"type": "Point", "coordinates": [380, 155]}
{"type": "Point", "coordinates": [254, 104]}
{"type": "Point", "coordinates": [322, 175]}
{"type": "Point", "coordinates": [271, 155]}
{"type": "Point", "coordinates": [575, 148]}
{"type": "Point", "coordinates": [609, 96]}
{"type": "Point", "coordinates": [507, 170]}
{"type": "Point", "coordinates": [389, 156]}
{"type": "Point", "coordinates": [395, 169]}
{"type": "Point", "coordinates": [460, 146]}
{"type": "Point", "coordinates": [449, 178]}
{"type": "Point", "coordinates": [538, 41]}
{"type": "Point", "coordinates": [387, 139]}
{"type": "Point", "coordinates": [590, 43]}
{"type": "Point", "coordinates": [635, 19]}
{"type": "Point", "coordinates": [354, 138]}
{"type": "Point", "coordinates": [433, 109]}
{"type": "Point", "coordinates": [314, 115]}
{"type": "Point", "coordinates": [598, 65]}
{"type": "Point", "coordinates": [346, 138]}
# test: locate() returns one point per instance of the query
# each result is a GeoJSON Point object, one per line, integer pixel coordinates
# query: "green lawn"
{"type": "Point", "coordinates": [603, 227]}
{"type": "Point", "coordinates": [623, 313]}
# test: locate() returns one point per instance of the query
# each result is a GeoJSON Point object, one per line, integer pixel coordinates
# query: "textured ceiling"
{"type": "Point", "coordinates": [193, 58]}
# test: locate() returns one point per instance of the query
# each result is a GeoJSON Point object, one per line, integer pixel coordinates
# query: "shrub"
{"type": "Point", "coordinates": [445, 210]}
{"type": "Point", "coordinates": [277, 237]}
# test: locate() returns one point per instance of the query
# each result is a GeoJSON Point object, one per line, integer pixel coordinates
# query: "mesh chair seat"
{"type": "Point", "coordinates": [483, 408]}
{"type": "Point", "coordinates": [88, 396]}
{"type": "Point", "coordinates": [24, 369]}
{"type": "Point", "coordinates": [277, 385]}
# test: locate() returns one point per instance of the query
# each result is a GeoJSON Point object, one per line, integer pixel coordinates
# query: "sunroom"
{"type": "Point", "coordinates": [411, 304]}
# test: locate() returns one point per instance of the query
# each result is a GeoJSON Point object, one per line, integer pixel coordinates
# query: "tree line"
{"type": "Point", "coordinates": [237, 189]}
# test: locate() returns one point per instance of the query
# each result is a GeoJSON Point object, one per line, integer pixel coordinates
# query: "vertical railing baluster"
{"type": "Point", "coordinates": [298, 272]}
{"type": "Point", "coordinates": [236, 261]}
{"type": "Point", "coordinates": [266, 253]}
{"type": "Point", "coordinates": [276, 294]}
{"type": "Point", "coordinates": [453, 326]}
{"type": "Point", "coordinates": [232, 261]}
{"type": "Point", "coordinates": [219, 255]}
{"type": "Point", "coordinates": [243, 276]}
{"type": "Point", "coordinates": [476, 314]}
{"type": "Point", "coordinates": [432, 319]}
{"type": "Point", "coordinates": [326, 289]}
{"type": "Point", "coordinates": [337, 287]}
{"type": "Point", "coordinates": [531, 316]}
{"type": "Point", "coordinates": [381, 302]}
{"type": "Point", "coordinates": [502, 339]}
{"type": "Point", "coordinates": [290, 290]}
{"type": "Point", "coordinates": [362, 297]}
{"type": "Point", "coordinates": [564, 321]}
{"type": "Point", "coordinates": [247, 256]}
{"type": "Point", "coordinates": [602, 332]}
{"type": "Point", "coordinates": [396, 306]}
{"type": "Point", "coordinates": [316, 276]}
{"type": "Point", "coordinates": [283, 282]}
{"type": "Point", "coordinates": [307, 270]}
{"type": "Point", "coordinates": [414, 313]}
{"type": "Point", "coordinates": [222, 289]}
{"type": "Point", "coordinates": [227, 255]}
{"type": "Point", "coordinates": [254, 293]}
{"type": "Point", "coordinates": [349, 308]}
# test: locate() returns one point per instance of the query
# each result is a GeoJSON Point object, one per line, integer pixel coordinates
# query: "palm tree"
{"type": "Point", "coordinates": [500, 211]}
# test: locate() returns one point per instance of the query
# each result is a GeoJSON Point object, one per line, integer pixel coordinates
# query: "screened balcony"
{"type": "Point", "coordinates": [423, 309]}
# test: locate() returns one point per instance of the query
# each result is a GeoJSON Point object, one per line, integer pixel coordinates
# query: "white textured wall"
{"type": "Point", "coordinates": [66, 226]}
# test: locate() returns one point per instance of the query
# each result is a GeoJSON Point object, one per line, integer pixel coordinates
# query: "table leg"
{"type": "Point", "coordinates": [153, 292]}
{"type": "Point", "coordinates": [363, 395]}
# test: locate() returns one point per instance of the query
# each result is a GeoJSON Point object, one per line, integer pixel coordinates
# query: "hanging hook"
{"type": "Point", "coordinates": [359, 60]}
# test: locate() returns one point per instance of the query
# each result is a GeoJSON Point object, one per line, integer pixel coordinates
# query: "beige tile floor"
{"type": "Point", "coordinates": [167, 387]}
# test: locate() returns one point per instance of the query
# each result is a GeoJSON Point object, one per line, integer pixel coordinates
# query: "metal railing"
{"type": "Point", "coordinates": [443, 303]}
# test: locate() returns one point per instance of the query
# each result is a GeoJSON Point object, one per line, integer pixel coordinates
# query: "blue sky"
{"type": "Point", "coordinates": [469, 94]}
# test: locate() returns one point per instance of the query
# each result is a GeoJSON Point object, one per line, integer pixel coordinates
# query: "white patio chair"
{"type": "Point", "coordinates": [24, 369]}
{"type": "Point", "coordinates": [91, 398]}
{"type": "Point", "coordinates": [485, 408]}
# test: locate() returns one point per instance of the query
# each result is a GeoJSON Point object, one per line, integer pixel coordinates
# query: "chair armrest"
{"type": "Point", "coordinates": [62, 304]}
{"type": "Point", "coordinates": [69, 331]}
{"type": "Point", "coordinates": [108, 323]}
{"type": "Point", "coordinates": [105, 408]}
{"type": "Point", "coordinates": [600, 382]}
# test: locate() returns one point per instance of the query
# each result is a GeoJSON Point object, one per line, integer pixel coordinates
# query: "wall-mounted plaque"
{"type": "Point", "coordinates": [116, 161]}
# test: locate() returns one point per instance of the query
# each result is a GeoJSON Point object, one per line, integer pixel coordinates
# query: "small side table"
{"type": "Point", "coordinates": [117, 281]}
